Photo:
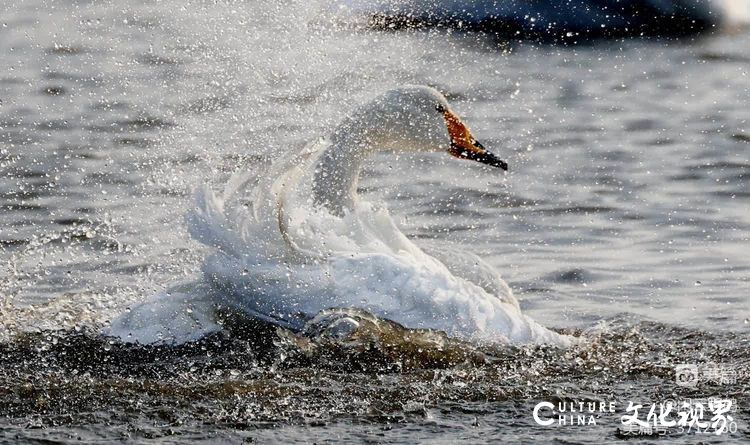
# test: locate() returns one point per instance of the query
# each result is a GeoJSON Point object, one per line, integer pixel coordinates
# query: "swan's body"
{"type": "Point", "coordinates": [566, 20]}
{"type": "Point", "coordinates": [301, 241]}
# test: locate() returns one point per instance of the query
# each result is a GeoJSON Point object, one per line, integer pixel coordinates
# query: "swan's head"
{"type": "Point", "coordinates": [416, 118]}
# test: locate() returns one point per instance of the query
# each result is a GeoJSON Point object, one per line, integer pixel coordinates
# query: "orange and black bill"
{"type": "Point", "coordinates": [478, 153]}
{"type": "Point", "coordinates": [464, 146]}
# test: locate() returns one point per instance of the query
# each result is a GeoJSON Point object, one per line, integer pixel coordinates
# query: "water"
{"type": "Point", "coordinates": [626, 203]}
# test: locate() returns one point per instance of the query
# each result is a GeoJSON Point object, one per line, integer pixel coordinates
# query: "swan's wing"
{"type": "Point", "coordinates": [423, 294]}
{"type": "Point", "coordinates": [249, 219]}
{"type": "Point", "coordinates": [472, 268]}
{"type": "Point", "coordinates": [177, 315]}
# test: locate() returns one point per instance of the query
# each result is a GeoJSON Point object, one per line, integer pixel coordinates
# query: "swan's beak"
{"type": "Point", "coordinates": [464, 146]}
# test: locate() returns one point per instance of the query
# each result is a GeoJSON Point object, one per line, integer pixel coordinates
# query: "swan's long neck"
{"type": "Point", "coordinates": [337, 173]}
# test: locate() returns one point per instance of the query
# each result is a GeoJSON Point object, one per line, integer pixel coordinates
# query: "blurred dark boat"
{"type": "Point", "coordinates": [564, 21]}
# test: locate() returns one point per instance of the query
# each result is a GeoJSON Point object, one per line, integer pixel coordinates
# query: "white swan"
{"type": "Point", "coordinates": [301, 241]}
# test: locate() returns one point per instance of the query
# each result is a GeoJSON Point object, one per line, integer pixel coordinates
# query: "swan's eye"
{"type": "Point", "coordinates": [440, 108]}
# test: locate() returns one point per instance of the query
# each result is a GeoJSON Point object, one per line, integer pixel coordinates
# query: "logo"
{"type": "Point", "coordinates": [686, 374]}
{"type": "Point", "coordinates": [713, 416]}
{"type": "Point", "coordinates": [570, 413]}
